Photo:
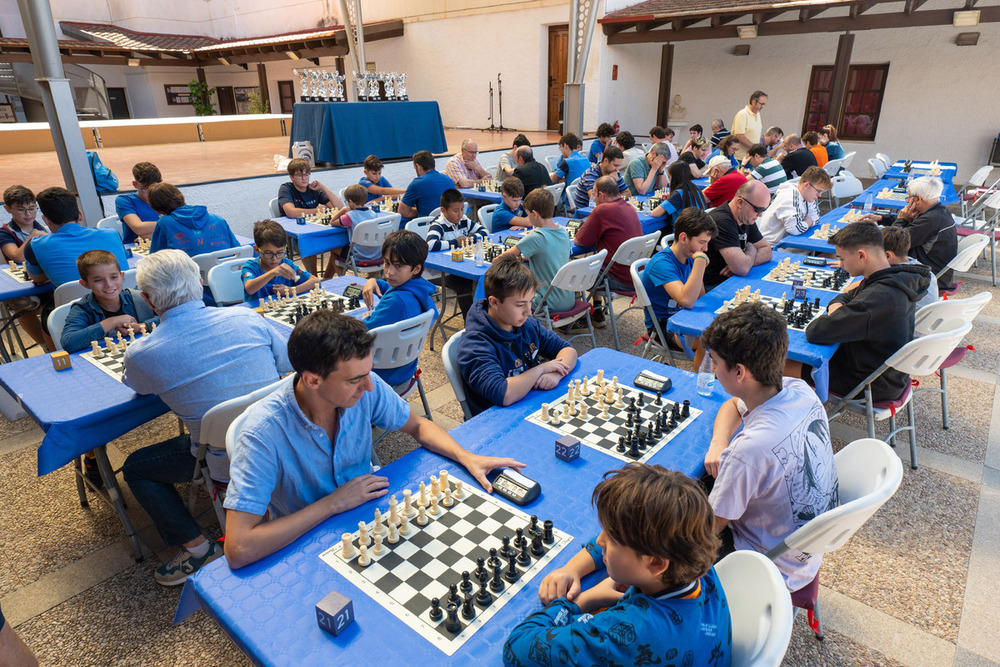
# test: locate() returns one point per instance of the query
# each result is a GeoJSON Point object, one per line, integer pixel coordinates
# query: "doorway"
{"type": "Point", "coordinates": [558, 51]}
{"type": "Point", "coordinates": [118, 103]}
{"type": "Point", "coordinates": [227, 100]}
{"type": "Point", "coordinates": [286, 96]}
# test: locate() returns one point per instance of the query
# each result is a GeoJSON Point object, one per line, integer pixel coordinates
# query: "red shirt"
{"type": "Point", "coordinates": [724, 189]}
{"type": "Point", "coordinates": [607, 227]}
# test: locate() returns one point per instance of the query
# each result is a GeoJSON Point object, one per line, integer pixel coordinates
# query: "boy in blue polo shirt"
{"type": "Point", "coordinates": [52, 258]}
{"type": "Point", "coordinates": [402, 295]}
{"type": "Point", "coordinates": [423, 194]}
{"type": "Point", "coordinates": [605, 135]}
{"type": "Point", "coordinates": [676, 274]}
{"type": "Point", "coordinates": [271, 268]}
{"type": "Point", "coordinates": [509, 213]}
{"type": "Point", "coordinates": [133, 209]}
{"type": "Point", "coordinates": [189, 228]}
{"type": "Point", "coordinates": [573, 162]}
{"type": "Point", "coordinates": [661, 598]}
{"type": "Point", "coordinates": [375, 183]}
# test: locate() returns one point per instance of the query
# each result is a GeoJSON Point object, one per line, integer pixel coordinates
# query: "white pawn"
{"type": "Point", "coordinates": [565, 412]}
{"type": "Point", "coordinates": [458, 489]}
{"type": "Point", "coordinates": [363, 539]}
{"type": "Point", "coordinates": [614, 382]}
{"type": "Point", "coordinates": [604, 410]}
{"type": "Point", "coordinates": [434, 505]}
{"type": "Point", "coordinates": [572, 408]}
{"type": "Point", "coordinates": [379, 549]}
{"type": "Point", "coordinates": [393, 533]}
{"type": "Point", "coordinates": [408, 510]}
{"type": "Point", "coordinates": [363, 558]}
{"type": "Point", "coordinates": [555, 419]}
{"type": "Point", "coordinates": [618, 400]}
{"type": "Point", "coordinates": [447, 502]}
{"type": "Point", "coordinates": [346, 540]}
{"type": "Point", "coordinates": [404, 526]}
{"type": "Point", "coordinates": [422, 516]}
{"type": "Point", "coordinates": [377, 527]}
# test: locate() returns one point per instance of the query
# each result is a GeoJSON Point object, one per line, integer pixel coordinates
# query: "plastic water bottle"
{"type": "Point", "coordinates": [869, 203]}
{"type": "Point", "coordinates": [706, 376]}
{"type": "Point", "coordinates": [479, 253]}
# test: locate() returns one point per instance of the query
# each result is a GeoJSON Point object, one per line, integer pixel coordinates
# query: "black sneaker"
{"type": "Point", "coordinates": [597, 317]}
{"type": "Point", "coordinates": [92, 472]}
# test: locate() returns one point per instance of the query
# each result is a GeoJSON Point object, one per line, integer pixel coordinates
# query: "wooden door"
{"type": "Point", "coordinates": [227, 100]}
{"type": "Point", "coordinates": [118, 103]}
{"type": "Point", "coordinates": [558, 50]}
{"type": "Point", "coordinates": [286, 96]}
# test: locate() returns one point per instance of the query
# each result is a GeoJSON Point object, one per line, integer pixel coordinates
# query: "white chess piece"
{"type": "Point", "coordinates": [379, 549]}
{"type": "Point", "coordinates": [618, 399]}
{"type": "Point", "coordinates": [600, 375]}
{"type": "Point", "coordinates": [572, 408]}
{"type": "Point", "coordinates": [408, 510]}
{"type": "Point", "coordinates": [447, 501]}
{"type": "Point", "coordinates": [393, 513]}
{"type": "Point", "coordinates": [565, 412]}
{"type": "Point", "coordinates": [585, 390]}
{"type": "Point", "coordinates": [604, 410]}
{"type": "Point", "coordinates": [363, 558]}
{"type": "Point", "coordinates": [422, 516]}
{"type": "Point", "coordinates": [142, 328]}
{"type": "Point", "coordinates": [459, 494]}
{"type": "Point", "coordinates": [434, 505]}
{"type": "Point", "coordinates": [435, 489]}
{"type": "Point", "coordinates": [443, 480]}
{"type": "Point", "coordinates": [363, 539]}
{"type": "Point", "coordinates": [393, 534]}
{"type": "Point", "coordinates": [96, 350]}
{"type": "Point", "coordinates": [378, 528]}
{"type": "Point", "coordinates": [348, 543]}
{"type": "Point", "coordinates": [422, 500]}
{"type": "Point", "coordinates": [404, 526]}
{"type": "Point", "coordinates": [545, 412]}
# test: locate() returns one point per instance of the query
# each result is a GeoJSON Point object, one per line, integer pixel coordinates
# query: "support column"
{"type": "Point", "coordinates": [265, 94]}
{"type": "Point", "coordinates": [202, 79]}
{"type": "Point", "coordinates": [60, 109]}
{"type": "Point", "coordinates": [666, 74]}
{"type": "Point", "coordinates": [838, 87]}
{"type": "Point", "coordinates": [351, 15]}
{"type": "Point", "coordinates": [582, 19]}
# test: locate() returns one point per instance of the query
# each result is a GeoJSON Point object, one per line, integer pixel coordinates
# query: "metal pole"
{"type": "Point", "coordinates": [500, 101]}
{"type": "Point", "coordinates": [60, 109]}
{"type": "Point", "coordinates": [492, 125]}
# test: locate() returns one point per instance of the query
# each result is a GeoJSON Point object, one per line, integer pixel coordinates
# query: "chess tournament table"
{"type": "Point", "coordinates": [474, 194]}
{"type": "Point", "coordinates": [948, 195]}
{"type": "Point", "coordinates": [805, 241]}
{"type": "Point", "coordinates": [312, 239]}
{"type": "Point", "coordinates": [347, 132]}
{"type": "Point", "coordinates": [267, 608]}
{"type": "Point", "coordinates": [920, 168]}
{"type": "Point", "coordinates": [692, 322]}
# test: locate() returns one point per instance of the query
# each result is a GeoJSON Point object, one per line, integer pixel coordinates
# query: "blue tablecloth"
{"type": "Point", "coordinates": [805, 241]}
{"type": "Point", "coordinates": [649, 223]}
{"type": "Point", "coordinates": [920, 168]}
{"type": "Point", "coordinates": [948, 195]}
{"type": "Point", "coordinates": [348, 132]}
{"type": "Point", "coordinates": [693, 322]}
{"type": "Point", "coordinates": [472, 193]}
{"type": "Point", "coordinates": [312, 238]}
{"type": "Point", "coordinates": [268, 608]}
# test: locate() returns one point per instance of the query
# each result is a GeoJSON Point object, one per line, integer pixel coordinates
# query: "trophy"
{"type": "Point", "coordinates": [360, 84]}
{"type": "Point", "coordinates": [314, 77]}
{"type": "Point", "coordinates": [401, 87]}
{"type": "Point", "coordinates": [390, 86]}
{"type": "Point", "coordinates": [322, 85]}
{"type": "Point", "coordinates": [373, 91]}
{"type": "Point", "coordinates": [338, 90]}
{"type": "Point", "coordinates": [303, 75]}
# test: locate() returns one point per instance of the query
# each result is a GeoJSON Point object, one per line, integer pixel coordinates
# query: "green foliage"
{"type": "Point", "coordinates": [256, 105]}
{"type": "Point", "coordinates": [201, 96]}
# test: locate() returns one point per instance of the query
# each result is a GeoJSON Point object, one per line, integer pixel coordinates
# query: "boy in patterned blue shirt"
{"type": "Point", "coordinates": [271, 268]}
{"type": "Point", "coordinates": [662, 601]}
{"type": "Point", "coordinates": [375, 183]}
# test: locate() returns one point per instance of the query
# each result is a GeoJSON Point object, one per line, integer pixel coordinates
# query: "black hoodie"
{"type": "Point", "coordinates": [876, 319]}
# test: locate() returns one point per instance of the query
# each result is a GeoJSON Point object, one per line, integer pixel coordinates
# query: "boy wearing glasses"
{"type": "Point", "coordinates": [738, 245]}
{"type": "Point", "coordinates": [304, 197]}
{"type": "Point", "coordinates": [795, 208]}
{"type": "Point", "coordinates": [20, 203]}
{"type": "Point", "coordinates": [271, 269]}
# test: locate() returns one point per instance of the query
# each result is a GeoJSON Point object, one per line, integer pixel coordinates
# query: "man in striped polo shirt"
{"type": "Point", "coordinates": [767, 170]}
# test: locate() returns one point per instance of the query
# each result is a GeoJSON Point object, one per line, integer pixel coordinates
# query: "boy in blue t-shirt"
{"type": "Point", "coordinates": [402, 295]}
{"type": "Point", "coordinates": [189, 228]}
{"type": "Point", "coordinates": [677, 274]}
{"type": "Point", "coordinates": [271, 268]}
{"type": "Point", "coordinates": [573, 162]}
{"type": "Point", "coordinates": [661, 598]}
{"type": "Point", "coordinates": [509, 213]}
{"type": "Point", "coordinates": [605, 134]}
{"type": "Point", "coordinates": [350, 215]}
{"type": "Point", "coordinates": [502, 352]}
{"type": "Point", "coordinates": [133, 209]}
{"type": "Point", "coordinates": [378, 186]}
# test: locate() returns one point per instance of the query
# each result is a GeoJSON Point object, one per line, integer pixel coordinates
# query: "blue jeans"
{"type": "Point", "coordinates": [151, 474]}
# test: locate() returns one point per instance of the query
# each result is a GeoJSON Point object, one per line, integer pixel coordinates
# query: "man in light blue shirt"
{"type": "Point", "coordinates": [304, 452]}
{"type": "Point", "coordinates": [197, 358]}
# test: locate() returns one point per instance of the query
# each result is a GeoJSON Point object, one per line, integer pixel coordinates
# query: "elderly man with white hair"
{"type": "Point", "coordinates": [197, 358]}
{"type": "Point", "coordinates": [464, 168]}
{"type": "Point", "coordinates": [933, 237]}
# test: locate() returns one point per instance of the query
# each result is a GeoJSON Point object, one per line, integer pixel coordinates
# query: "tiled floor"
{"type": "Point", "coordinates": [916, 585]}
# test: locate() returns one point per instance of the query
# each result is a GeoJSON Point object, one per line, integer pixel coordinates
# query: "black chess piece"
{"type": "Point", "coordinates": [686, 409]}
{"type": "Point", "coordinates": [659, 398]}
{"type": "Point", "coordinates": [494, 559]}
{"type": "Point", "coordinates": [533, 527]}
{"type": "Point", "coordinates": [468, 610]}
{"type": "Point", "coordinates": [658, 431]}
{"type": "Point", "coordinates": [496, 584]}
{"type": "Point", "coordinates": [436, 612]}
{"type": "Point", "coordinates": [628, 418]}
{"type": "Point", "coordinates": [452, 624]}
{"type": "Point", "coordinates": [512, 574]}
{"type": "Point", "coordinates": [536, 546]}
{"type": "Point", "coordinates": [633, 450]}
{"type": "Point", "coordinates": [524, 558]}
{"type": "Point", "coordinates": [480, 568]}
{"type": "Point", "coordinates": [547, 536]}
{"type": "Point", "coordinates": [519, 540]}
{"type": "Point", "coordinates": [505, 549]}
{"type": "Point", "coordinates": [621, 443]}
{"type": "Point", "coordinates": [631, 404]}
{"type": "Point", "coordinates": [675, 412]}
{"type": "Point", "coordinates": [640, 402]}
{"type": "Point", "coordinates": [453, 597]}
{"type": "Point", "coordinates": [466, 585]}
{"type": "Point", "coordinates": [484, 598]}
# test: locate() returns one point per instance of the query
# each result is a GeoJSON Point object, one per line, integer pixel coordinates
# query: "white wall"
{"type": "Point", "coordinates": [936, 103]}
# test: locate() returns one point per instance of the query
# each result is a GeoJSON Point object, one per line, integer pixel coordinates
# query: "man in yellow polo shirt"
{"type": "Point", "coordinates": [747, 125]}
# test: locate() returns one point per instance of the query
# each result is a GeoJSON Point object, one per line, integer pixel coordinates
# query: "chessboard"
{"type": "Point", "coordinates": [892, 194]}
{"type": "Point", "coordinates": [109, 358]}
{"type": "Point", "coordinates": [490, 250]}
{"type": "Point", "coordinates": [798, 314]}
{"type": "Point", "coordinates": [290, 310]}
{"type": "Point", "coordinates": [634, 427]}
{"type": "Point", "coordinates": [572, 225]}
{"type": "Point", "coordinates": [488, 186]}
{"type": "Point", "coordinates": [390, 205]}
{"type": "Point", "coordinates": [646, 205]}
{"type": "Point", "coordinates": [18, 273]}
{"type": "Point", "coordinates": [852, 215]}
{"type": "Point", "coordinates": [141, 247]}
{"type": "Point", "coordinates": [447, 575]}
{"type": "Point", "coordinates": [813, 277]}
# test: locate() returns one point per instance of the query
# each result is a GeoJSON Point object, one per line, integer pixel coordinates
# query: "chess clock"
{"type": "Point", "coordinates": [652, 382]}
{"type": "Point", "coordinates": [352, 290]}
{"type": "Point", "coordinates": [814, 261]}
{"type": "Point", "coordinates": [515, 487]}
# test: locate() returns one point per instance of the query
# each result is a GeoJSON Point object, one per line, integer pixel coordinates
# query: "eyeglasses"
{"type": "Point", "coordinates": [25, 211]}
{"type": "Point", "coordinates": [273, 255]}
{"type": "Point", "coordinates": [470, 151]}
{"type": "Point", "coordinates": [301, 174]}
{"type": "Point", "coordinates": [757, 209]}
{"type": "Point", "coordinates": [818, 191]}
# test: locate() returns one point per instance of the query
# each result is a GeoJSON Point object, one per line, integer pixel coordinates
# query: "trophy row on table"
{"type": "Point", "coordinates": [319, 85]}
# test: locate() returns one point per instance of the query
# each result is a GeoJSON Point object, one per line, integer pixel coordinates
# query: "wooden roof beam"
{"type": "Point", "coordinates": [862, 7]}
{"type": "Point", "coordinates": [914, 5]}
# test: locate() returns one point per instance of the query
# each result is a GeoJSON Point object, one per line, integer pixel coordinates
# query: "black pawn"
{"type": "Point", "coordinates": [519, 540]}
{"type": "Point", "coordinates": [436, 612]}
{"type": "Point", "coordinates": [640, 402]}
{"type": "Point", "coordinates": [505, 549]}
{"type": "Point", "coordinates": [496, 584]}
{"type": "Point", "coordinates": [484, 598]}
{"type": "Point", "coordinates": [480, 567]}
{"type": "Point", "coordinates": [453, 594]}
{"type": "Point", "coordinates": [686, 410]}
{"type": "Point", "coordinates": [536, 546]}
{"type": "Point", "coordinates": [512, 574]}
{"type": "Point", "coordinates": [452, 624]}
{"type": "Point", "coordinates": [628, 419]}
{"type": "Point", "coordinates": [659, 399]}
{"type": "Point", "coordinates": [468, 610]}
{"type": "Point", "coordinates": [547, 536]}
{"type": "Point", "coordinates": [494, 559]}
{"type": "Point", "coordinates": [631, 404]}
{"type": "Point", "coordinates": [524, 558]}
{"type": "Point", "coordinates": [466, 586]}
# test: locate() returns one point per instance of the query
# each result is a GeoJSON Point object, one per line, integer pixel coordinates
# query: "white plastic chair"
{"type": "Point", "coordinates": [877, 168]}
{"type": "Point", "coordinates": [868, 474]}
{"type": "Point", "coordinates": [665, 242]}
{"type": "Point", "coordinates": [112, 222]}
{"type": "Point", "coordinates": [57, 322]}
{"type": "Point", "coordinates": [556, 191]}
{"type": "Point", "coordinates": [552, 161]}
{"type": "Point", "coordinates": [208, 260]}
{"type": "Point", "coordinates": [760, 610]}
{"type": "Point", "coordinates": [969, 250]}
{"type": "Point", "coordinates": [662, 352]}
{"type": "Point", "coordinates": [847, 160]}
{"type": "Point", "coordinates": [577, 276]}
{"type": "Point", "coordinates": [486, 216]}
{"type": "Point", "coordinates": [274, 209]}
{"type": "Point", "coordinates": [436, 212]}
{"type": "Point", "coordinates": [921, 356]}
{"type": "Point", "coordinates": [885, 160]}
{"type": "Point", "coordinates": [977, 181]}
{"type": "Point", "coordinates": [934, 315]}
{"type": "Point", "coordinates": [216, 426]}
{"type": "Point", "coordinates": [226, 282]}
{"type": "Point", "coordinates": [69, 292]}
{"type": "Point", "coordinates": [449, 356]}
{"type": "Point", "coordinates": [627, 253]}
{"type": "Point", "coordinates": [400, 344]}
{"type": "Point", "coordinates": [833, 166]}
{"type": "Point", "coordinates": [845, 186]}
{"type": "Point", "coordinates": [370, 233]}
{"type": "Point", "coordinates": [571, 195]}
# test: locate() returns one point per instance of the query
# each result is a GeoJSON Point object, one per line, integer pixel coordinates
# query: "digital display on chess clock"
{"type": "Point", "coordinates": [515, 487]}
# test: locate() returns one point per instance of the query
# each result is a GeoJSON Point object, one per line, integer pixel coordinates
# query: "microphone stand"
{"type": "Point", "coordinates": [500, 98]}
{"type": "Point", "coordinates": [492, 126]}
